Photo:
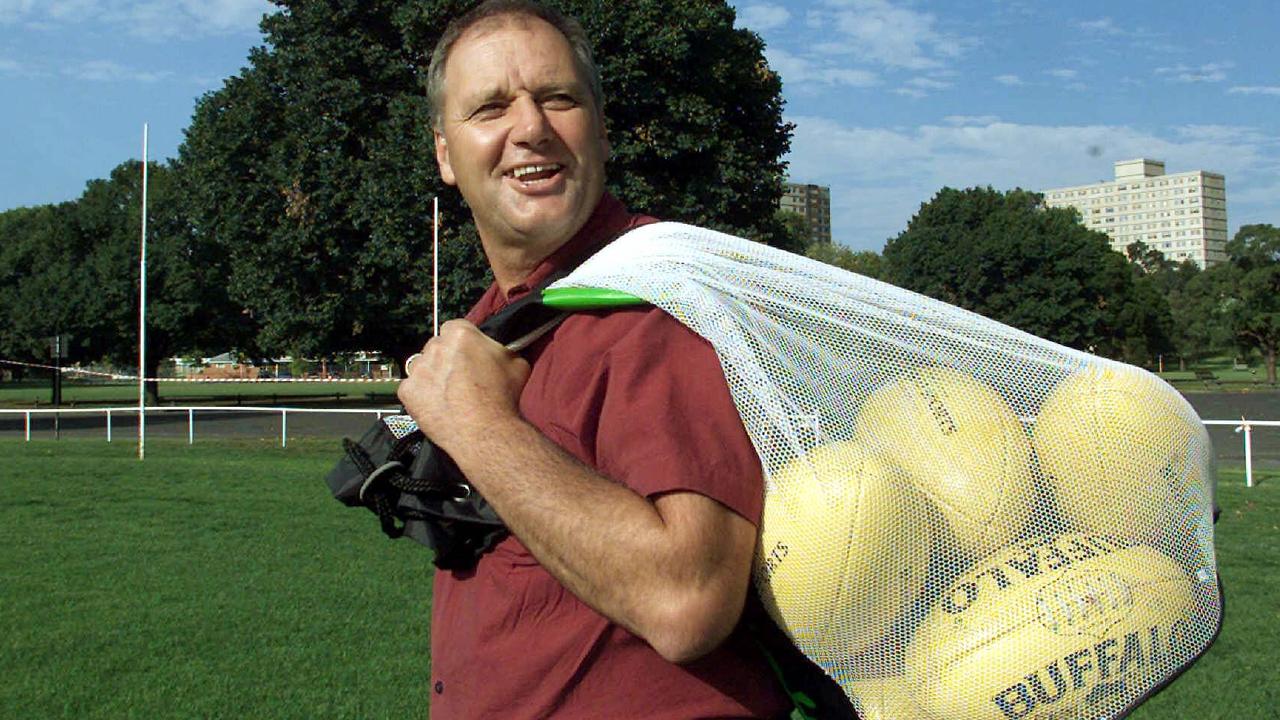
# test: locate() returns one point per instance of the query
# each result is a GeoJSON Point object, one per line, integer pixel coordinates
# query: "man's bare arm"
{"type": "Point", "coordinates": [674, 570]}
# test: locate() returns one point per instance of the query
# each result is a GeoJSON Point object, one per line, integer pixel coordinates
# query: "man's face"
{"type": "Point", "coordinates": [520, 134]}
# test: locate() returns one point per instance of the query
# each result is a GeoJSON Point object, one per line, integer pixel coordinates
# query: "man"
{"type": "Point", "coordinates": [612, 450]}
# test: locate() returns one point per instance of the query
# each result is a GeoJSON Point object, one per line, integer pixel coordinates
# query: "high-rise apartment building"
{"type": "Point", "coordinates": [1183, 215]}
{"type": "Point", "coordinates": [813, 202]}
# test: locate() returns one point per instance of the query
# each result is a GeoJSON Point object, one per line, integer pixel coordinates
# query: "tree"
{"type": "Point", "coordinates": [1191, 325]}
{"type": "Point", "coordinates": [1007, 256]}
{"type": "Point", "coordinates": [863, 262]}
{"type": "Point", "coordinates": [72, 269]}
{"type": "Point", "coordinates": [313, 169]}
{"type": "Point", "coordinates": [43, 287]}
{"type": "Point", "coordinates": [1248, 286]}
{"type": "Point", "coordinates": [794, 236]}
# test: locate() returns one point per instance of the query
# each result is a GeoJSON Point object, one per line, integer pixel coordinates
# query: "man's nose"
{"type": "Point", "coordinates": [529, 123]}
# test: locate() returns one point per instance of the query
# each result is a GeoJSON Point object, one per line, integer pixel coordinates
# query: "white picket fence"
{"type": "Point", "coordinates": [1242, 426]}
{"type": "Point", "coordinates": [191, 415]}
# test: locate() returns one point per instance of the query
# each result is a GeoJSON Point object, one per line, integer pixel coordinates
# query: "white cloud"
{"type": "Point", "coordinates": [926, 83]}
{"type": "Point", "coordinates": [971, 119]}
{"type": "Point", "coordinates": [919, 87]}
{"type": "Point", "coordinates": [879, 32]}
{"type": "Point", "coordinates": [148, 19]}
{"type": "Point", "coordinates": [108, 71]}
{"type": "Point", "coordinates": [797, 70]}
{"type": "Point", "coordinates": [1009, 80]}
{"type": "Point", "coordinates": [1209, 72]}
{"type": "Point", "coordinates": [13, 11]}
{"type": "Point", "coordinates": [880, 176]}
{"type": "Point", "coordinates": [1101, 26]}
{"type": "Point", "coordinates": [1255, 90]}
{"type": "Point", "coordinates": [10, 67]}
{"type": "Point", "coordinates": [1062, 73]}
{"type": "Point", "coordinates": [761, 17]}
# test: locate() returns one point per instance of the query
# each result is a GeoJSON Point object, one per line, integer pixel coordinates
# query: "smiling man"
{"type": "Point", "coordinates": [612, 449]}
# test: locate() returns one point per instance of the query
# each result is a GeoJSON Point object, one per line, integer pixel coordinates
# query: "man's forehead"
{"type": "Point", "coordinates": [472, 76]}
{"type": "Point", "coordinates": [508, 21]}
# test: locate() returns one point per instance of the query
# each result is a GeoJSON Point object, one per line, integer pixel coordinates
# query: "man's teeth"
{"type": "Point", "coordinates": [522, 172]}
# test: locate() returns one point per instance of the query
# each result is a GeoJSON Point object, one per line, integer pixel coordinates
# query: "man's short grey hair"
{"type": "Point", "coordinates": [491, 10]}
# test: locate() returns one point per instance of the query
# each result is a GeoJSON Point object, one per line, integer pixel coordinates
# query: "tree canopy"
{"type": "Point", "coordinates": [1007, 256]}
{"type": "Point", "coordinates": [72, 270]}
{"type": "Point", "coordinates": [313, 169]}
{"type": "Point", "coordinates": [1247, 288]}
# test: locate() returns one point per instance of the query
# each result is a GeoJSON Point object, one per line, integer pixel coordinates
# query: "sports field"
{"type": "Point", "coordinates": [220, 580]}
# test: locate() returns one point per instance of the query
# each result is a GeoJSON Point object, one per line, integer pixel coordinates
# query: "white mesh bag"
{"type": "Point", "coordinates": [962, 521]}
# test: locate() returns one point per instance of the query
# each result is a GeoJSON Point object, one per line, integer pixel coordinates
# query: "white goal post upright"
{"type": "Point", "coordinates": [435, 266]}
{"type": "Point", "coordinates": [142, 312]}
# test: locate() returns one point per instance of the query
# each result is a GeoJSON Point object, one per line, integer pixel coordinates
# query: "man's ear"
{"type": "Point", "coordinates": [442, 159]}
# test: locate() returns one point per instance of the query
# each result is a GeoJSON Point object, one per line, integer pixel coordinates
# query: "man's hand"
{"type": "Point", "coordinates": [673, 570]}
{"type": "Point", "coordinates": [461, 383]}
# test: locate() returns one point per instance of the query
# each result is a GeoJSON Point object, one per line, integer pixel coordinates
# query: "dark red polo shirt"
{"type": "Point", "coordinates": [639, 397]}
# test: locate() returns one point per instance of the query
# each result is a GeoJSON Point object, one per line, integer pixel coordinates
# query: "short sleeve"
{"type": "Point", "coordinates": [668, 422]}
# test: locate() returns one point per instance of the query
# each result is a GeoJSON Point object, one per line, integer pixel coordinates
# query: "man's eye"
{"type": "Point", "coordinates": [560, 102]}
{"type": "Point", "coordinates": [488, 110]}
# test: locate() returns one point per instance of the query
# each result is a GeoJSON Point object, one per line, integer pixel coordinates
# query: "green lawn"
{"type": "Point", "coordinates": [221, 581]}
{"type": "Point", "coordinates": [1235, 680]}
{"type": "Point", "coordinates": [216, 581]}
{"type": "Point", "coordinates": [1225, 376]}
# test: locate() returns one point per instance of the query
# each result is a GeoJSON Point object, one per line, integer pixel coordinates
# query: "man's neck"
{"type": "Point", "coordinates": [512, 263]}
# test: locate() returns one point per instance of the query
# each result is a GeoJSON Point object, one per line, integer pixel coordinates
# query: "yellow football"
{"type": "Point", "coordinates": [1060, 626]}
{"type": "Point", "coordinates": [963, 446]}
{"type": "Point", "coordinates": [843, 549]}
{"type": "Point", "coordinates": [1119, 448]}
{"type": "Point", "coordinates": [883, 698]}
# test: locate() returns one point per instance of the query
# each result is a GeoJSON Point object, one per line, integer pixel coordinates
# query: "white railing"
{"type": "Point", "coordinates": [1242, 426]}
{"type": "Point", "coordinates": [1245, 427]}
{"type": "Point", "coordinates": [191, 415]}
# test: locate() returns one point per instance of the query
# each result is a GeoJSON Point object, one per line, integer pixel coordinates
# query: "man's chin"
{"type": "Point", "coordinates": [548, 221]}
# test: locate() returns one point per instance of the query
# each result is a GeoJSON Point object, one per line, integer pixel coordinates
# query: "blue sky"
{"type": "Point", "coordinates": [892, 99]}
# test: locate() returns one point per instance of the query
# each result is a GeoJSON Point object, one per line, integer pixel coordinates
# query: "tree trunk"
{"type": "Point", "coordinates": [151, 388]}
{"type": "Point", "coordinates": [1269, 355]}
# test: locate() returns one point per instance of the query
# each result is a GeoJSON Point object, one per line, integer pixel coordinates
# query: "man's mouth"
{"type": "Point", "coordinates": [534, 173]}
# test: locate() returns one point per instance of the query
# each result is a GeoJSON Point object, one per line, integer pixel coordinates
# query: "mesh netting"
{"type": "Point", "coordinates": [961, 520]}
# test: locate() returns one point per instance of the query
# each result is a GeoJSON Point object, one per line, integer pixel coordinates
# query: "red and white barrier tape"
{"type": "Point", "coordinates": [115, 376]}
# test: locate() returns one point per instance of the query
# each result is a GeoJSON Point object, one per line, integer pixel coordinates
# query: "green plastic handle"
{"type": "Point", "coordinates": [590, 298]}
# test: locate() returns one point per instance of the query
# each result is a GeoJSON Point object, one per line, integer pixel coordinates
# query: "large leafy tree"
{"type": "Point", "coordinates": [1007, 256]}
{"type": "Point", "coordinates": [73, 270]}
{"type": "Point", "coordinates": [863, 262]}
{"type": "Point", "coordinates": [313, 169]}
{"type": "Point", "coordinates": [1248, 290]}
{"type": "Point", "coordinates": [1191, 325]}
{"type": "Point", "coordinates": [43, 285]}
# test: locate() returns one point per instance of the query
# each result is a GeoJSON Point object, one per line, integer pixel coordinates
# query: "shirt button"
{"type": "Point", "coordinates": [439, 687]}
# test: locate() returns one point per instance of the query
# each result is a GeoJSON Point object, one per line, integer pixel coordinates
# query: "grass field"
{"type": "Point", "coordinates": [215, 581]}
{"type": "Point", "coordinates": [1226, 376]}
{"type": "Point", "coordinates": [221, 581]}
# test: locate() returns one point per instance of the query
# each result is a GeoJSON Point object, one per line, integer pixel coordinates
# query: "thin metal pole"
{"type": "Point", "coordinates": [191, 426]}
{"type": "Point", "coordinates": [435, 266]}
{"type": "Point", "coordinates": [28, 427]}
{"type": "Point", "coordinates": [284, 427]}
{"type": "Point", "coordinates": [108, 425]}
{"type": "Point", "coordinates": [142, 312]}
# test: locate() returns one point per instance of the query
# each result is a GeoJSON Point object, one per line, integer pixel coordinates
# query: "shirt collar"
{"type": "Point", "coordinates": [607, 221]}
